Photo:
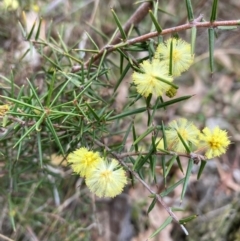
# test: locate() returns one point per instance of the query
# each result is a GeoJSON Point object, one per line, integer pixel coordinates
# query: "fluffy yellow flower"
{"type": "Point", "coordinates": [11, 4]}
{"type": "Point", "coordinates": [4, 109]}
{"type": "Point", "coordinates": [107, 179]}
{"type": "Point", "coordinates": [187, 131]}
{"type": "Point", "coordinates": [181, 55]}
{"type": "Point", "coordinates": [83, 160]}
{"type": "Point", "coordinates": [147, 83]}
{"type": "Point", "coordinates": [215, 142]}
{"type": "Point", "coordinates": [160, 145]}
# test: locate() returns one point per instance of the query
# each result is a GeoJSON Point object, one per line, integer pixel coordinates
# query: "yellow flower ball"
{"type": "Point", "coordinates": [188, 131]}
{"type": "Point", "coordinates": [181, 55]}
{"type": "Point", "coordinates": [149, 81]}
{"type": "Point", "coordinates": [107, 179]}
{"type": "Point", "coordinates": [11, 4]}
{"type": "Point", "coordinates": [82, 160]}
{"type": "Point", "coordinates": [215, 142]}
{"type": "Point", "coordinates": [4, 109]}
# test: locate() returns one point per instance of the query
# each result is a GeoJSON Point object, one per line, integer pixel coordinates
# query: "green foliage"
{"type": "Point", "coordinates": [214, 11]}
{"type": "Point", "coordinates": [189, 10]}
{"type": "Point", "coordinates": [77, 106]}
{"type": "Point", "coordinates": [211, 38]}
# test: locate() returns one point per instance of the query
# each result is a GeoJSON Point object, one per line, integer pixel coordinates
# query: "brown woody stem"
{"type": "Point", "coordinates": [145, 37]}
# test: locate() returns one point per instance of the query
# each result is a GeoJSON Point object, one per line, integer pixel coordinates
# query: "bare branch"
{"type": "Point", "coordinates": [145, 37]}
{"type": "Point", "coordinates": [136, 18]}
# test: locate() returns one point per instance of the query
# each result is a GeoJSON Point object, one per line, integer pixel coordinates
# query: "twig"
{"type": "Point", "coordinates": [30, 123]}
{"type": "Point", "coordinates": [136, 18]}
{"type": "Point", "coordinates": [145, 37]}
{"type": "Point", "coordinates": [5, 238]}
{"type": "Point", "coordinates": [159, 199]}
{"type": "Point", "coordinates": [192, 155]}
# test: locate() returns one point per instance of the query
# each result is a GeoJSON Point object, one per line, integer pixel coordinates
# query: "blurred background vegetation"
{"type": "Point", "coordinates": [40, 198]}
